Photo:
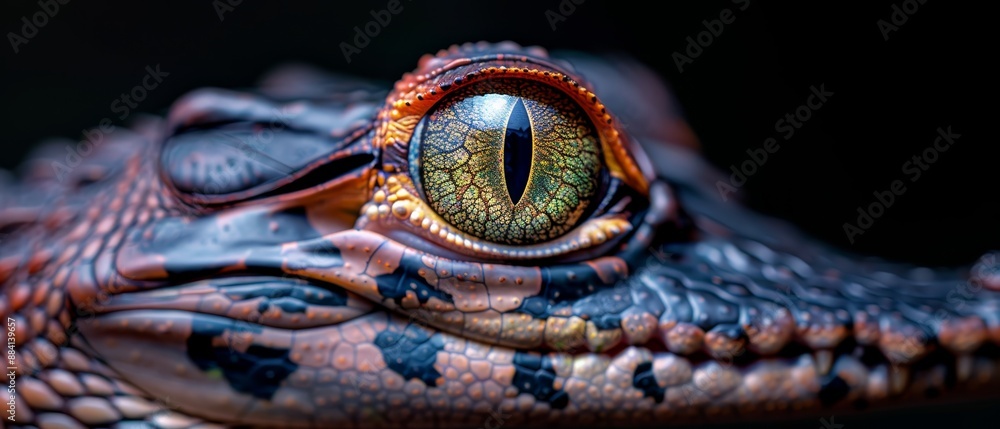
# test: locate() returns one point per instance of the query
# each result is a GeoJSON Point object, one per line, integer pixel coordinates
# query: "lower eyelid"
{"type": "Point", "coordinates": [397, 210]}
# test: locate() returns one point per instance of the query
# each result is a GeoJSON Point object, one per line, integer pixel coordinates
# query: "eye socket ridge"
{"type": "Point", "coordinates": [402, 209]}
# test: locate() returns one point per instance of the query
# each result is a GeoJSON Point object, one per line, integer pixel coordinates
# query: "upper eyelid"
{"type": "Point", "coordinates": [417, 93]}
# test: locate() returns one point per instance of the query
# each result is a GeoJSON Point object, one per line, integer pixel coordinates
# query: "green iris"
{"type": "Point", "coordinates": [509, 161]}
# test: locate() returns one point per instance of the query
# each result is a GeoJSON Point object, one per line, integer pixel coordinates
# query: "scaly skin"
{"type": "Point", "coordinates": [264, 259]}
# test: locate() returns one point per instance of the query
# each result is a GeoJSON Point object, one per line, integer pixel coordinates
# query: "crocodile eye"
{"type": "Point", "coordinates": [514, 161]}
{"type": "Point", "coordinates": [500, 158]}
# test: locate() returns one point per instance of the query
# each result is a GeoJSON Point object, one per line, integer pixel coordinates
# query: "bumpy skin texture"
{"type": "Point", "coordinates": [261, 259]}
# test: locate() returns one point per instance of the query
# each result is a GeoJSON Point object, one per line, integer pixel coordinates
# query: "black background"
{"type": "Point", "coordinates": [889, 96]}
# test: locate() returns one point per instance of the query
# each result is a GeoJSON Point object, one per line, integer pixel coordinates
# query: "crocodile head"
{"type": "Point", "coordinates": [494, 241]}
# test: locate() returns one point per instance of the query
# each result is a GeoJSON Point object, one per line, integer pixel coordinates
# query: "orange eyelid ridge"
{"type": "Point", "coordinates": [416, 93]}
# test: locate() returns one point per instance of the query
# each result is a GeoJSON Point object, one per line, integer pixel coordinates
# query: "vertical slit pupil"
{"type": "Point", "coordinates": [517, 152]}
